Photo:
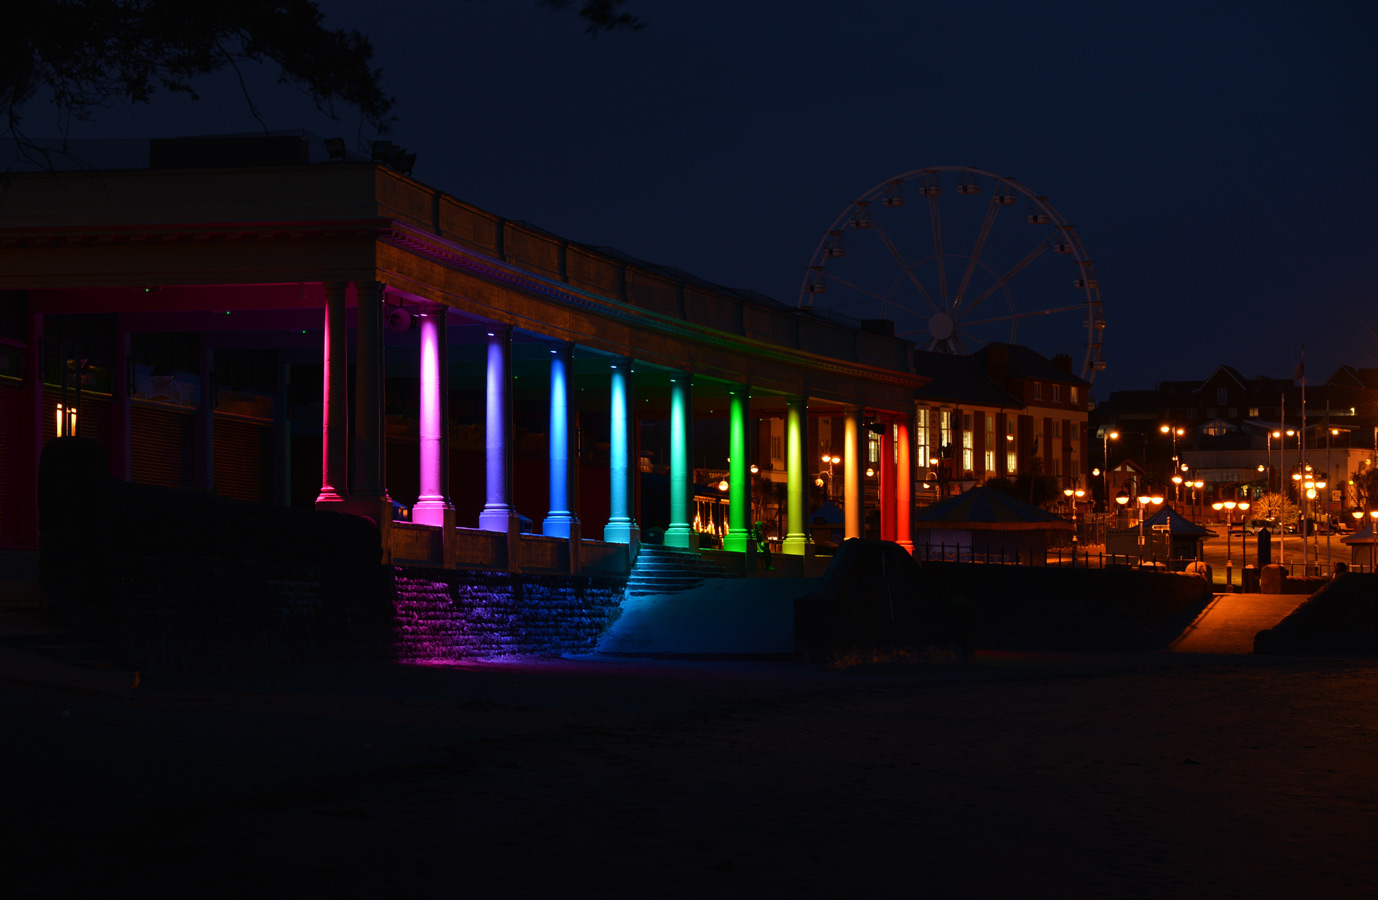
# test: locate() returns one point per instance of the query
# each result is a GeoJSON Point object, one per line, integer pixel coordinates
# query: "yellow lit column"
{"type": "Point", "coordinates": [796, 416]}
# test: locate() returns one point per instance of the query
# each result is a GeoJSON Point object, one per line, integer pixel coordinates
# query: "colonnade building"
{"type": "Point", "coordinates": [302, 331]}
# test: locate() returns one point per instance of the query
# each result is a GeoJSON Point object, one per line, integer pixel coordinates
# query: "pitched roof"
{"type": "Point", "coordinates": [986, 509]}
{"type": "Point", "coordinates": [1025, 362]}
{"type": "Point", "coordinates": [960, 379]}
{"type": "Point", "coordinates": [1178, 524]}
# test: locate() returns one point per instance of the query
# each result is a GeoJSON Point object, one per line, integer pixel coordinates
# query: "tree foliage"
{"type": "Point", "coordinates": [1274, 506]}
{"type": "Point", "coordinates": [90, 52]}
{"type": "Point", "coordinates": [1366, 487]}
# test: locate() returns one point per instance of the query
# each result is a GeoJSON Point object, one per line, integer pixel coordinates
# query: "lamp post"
{"type": "Point", "coordinates": [1175, 432]}
{"type": "Point", "coordinates": [1106, 438]}
{"type": "Point", "coordinates": [1358, 515]}
{"type": "Point", "coordinates": [1073, 496]}
{"type": "Point", "coordinates": [1229, 506]}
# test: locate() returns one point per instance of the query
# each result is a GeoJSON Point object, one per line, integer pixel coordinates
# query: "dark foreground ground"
{"type": "Point", "coordinates": [1150, 775]}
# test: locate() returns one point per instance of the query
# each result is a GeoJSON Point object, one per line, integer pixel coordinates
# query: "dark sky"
{"type": "Point", "coordinates": [1215, 158]}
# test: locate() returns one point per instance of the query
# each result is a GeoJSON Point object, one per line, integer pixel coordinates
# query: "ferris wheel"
{"type": "Point", "coordinates": [957, 258]}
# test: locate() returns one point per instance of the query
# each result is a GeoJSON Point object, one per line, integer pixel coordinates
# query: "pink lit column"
{"type": "Point", "coordinates": [904, 488]}
{"type": "Point", "coordinates": [434, 498]}
{"type": "Point", "coordinates": [368, 397]}
{"type": "Point", "coordinates": [334, 406]}
{"type": "Point", "coordinates": [498, 513]}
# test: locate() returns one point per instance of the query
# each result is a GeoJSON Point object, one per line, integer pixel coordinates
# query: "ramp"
{"type": "Point", "coordinates": [720, 616]}
{"type": "Point", "coordinates": [1228, 624]}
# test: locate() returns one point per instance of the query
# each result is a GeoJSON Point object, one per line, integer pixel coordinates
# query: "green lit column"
{"type": "Point", "coordinates": [738, 482]}
{"type": "Point", "coordinates": [852, 496]}
{"type": "Point", "coordinates": [796, 415]}
{"type": "Point", "coordinates": [680, 533]}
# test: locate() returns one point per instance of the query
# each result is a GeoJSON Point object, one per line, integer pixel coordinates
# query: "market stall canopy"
{"type": "Point", "coordinates": [1180, 525]}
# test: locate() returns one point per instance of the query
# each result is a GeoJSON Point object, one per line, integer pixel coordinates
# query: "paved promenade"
{"type": "Point", "coordinates": [1038, 775]}
{"type": "Point", "coordinates": [1229, 623]}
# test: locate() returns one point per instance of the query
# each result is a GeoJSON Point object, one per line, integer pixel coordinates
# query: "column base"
{"type": "Point", "coordinates": [430, 512]}
{"type": "Point", "coordinates": [682, 536]}
{"type": "Point", "coordinates": [328, 498]}
{"type": "Point", "coordinates": [908, 546]}
{"type": "Point", "coordinates": [503, 519]}
{"type": "Point", "coordinates": [736, 541]}
{"type": "Point", "coordinates": [795, 545]}
{"type": "Point", "coordinates": [623, 531]}
{"type": "Point", "coordinates": [562, 525]}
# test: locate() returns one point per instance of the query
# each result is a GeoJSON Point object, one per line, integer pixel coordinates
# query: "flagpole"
{"type": "Point", "coordinates": [1301, 460]}
{"type": "Point", "coordinates": [1282, 482]}
{"type": "Point", "coordinates": [1328, 566]}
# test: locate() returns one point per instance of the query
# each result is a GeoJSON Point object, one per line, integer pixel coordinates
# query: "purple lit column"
{"type": "Point", "coordinates": [561, 521]}
{"type": "Point", "coordinates": [434, 498]}
{"type": "Point", "coordinates": [498, 514]}
{"type": "Point", "coordinates": [368, 396]}
{"type": "Point", "coordinates": [334, 407]}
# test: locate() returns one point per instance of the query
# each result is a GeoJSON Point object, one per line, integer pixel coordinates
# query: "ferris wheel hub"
{"type": "Point", "coordinates": [941, 326]}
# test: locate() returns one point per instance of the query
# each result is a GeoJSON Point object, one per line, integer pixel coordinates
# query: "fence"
{"type": "Point", "coordinates": [1072, 558]}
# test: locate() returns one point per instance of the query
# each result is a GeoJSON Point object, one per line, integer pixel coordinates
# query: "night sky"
{"type": "Point", "coordinates": [1214, 157]}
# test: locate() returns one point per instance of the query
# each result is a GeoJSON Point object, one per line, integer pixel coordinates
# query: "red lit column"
{"type": "Point", "coordinates": [334, 406]}
{"type": "Point", "coordinates": [904, 488]}
{"type": "Point", "coordinates": [368, 396]}
{"type": "Point", "coordinates": [886, 476]}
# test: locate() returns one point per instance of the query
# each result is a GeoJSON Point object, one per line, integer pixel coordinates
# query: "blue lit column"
{"type": "Point", "coordinates": [334, 407]}
{"type": "Point", "coordinates": [561, 521]}
{"type": "Point", "coordinates": [434, 421]}
{"type": "Point", "coordinates": [738, 482]}
{"type": "Point", "coordinates": [498, 513]}
{"type": "Point", "coordinates": [681, 531]}
{"type": "Point", "coordinates": [621, 527]}
{"type": "Point", "coordinates": [796, 417]}
{"type": "Point", "coordinates": [852, 496]}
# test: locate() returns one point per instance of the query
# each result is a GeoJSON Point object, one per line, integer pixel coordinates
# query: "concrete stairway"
{"type": "Point", "coordinates": [665, 570]}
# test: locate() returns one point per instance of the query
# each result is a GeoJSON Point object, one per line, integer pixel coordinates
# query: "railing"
{"type": "Point", "coordinates": [1066, 556]}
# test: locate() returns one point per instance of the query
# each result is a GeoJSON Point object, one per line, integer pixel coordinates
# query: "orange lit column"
{"type": "Point", "coordinates": [334, 407]}
{"type": "Point", "coordinates": [852, 496]}
{"type": "Point", "coordinates": [885, 475]}
{"type": "Point", "coordinates": [904, 488]}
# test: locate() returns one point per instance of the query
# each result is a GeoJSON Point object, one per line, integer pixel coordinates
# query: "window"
{"type": "Point", "coordinates": [921, 436]}
{"type": "Point", "coordinates": [1057, 393]}
{"type": "Point", "coordinates": [1038, 390]}
{"type": "Point", "coordinates": [1234, 412]}
{"type": "Point", "coordinates": [825, 434]}
{"type": "Point", "coordinates": [945, 432]}
{"type": "Point", "coordinates": [1057, 428]}
{"type": "Point", "coordinates": [1253, 412]}
{"type": "Point", "coordinates": [775, 453]}
{"type": "Point", "coordinates": [1222, 396]}
{"type": "Point", "coordinates": [873, 448]}
{"type": "Point", "coordinates": [968, 446]}
{"type": "Point", "coordinates": [1011, 446]}
{"type": "Point", "coordinates": [1074, 393]}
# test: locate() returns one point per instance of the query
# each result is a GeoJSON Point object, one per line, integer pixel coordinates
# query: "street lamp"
{"type": "Point", "coordinates": [1074, 496]}
{"type": "Point", "coordinates": [1230, 506]}
{"type": "Point", "coordinates": [1106, 438]}
{"type": "Point", "coordinates": [1176, 432]}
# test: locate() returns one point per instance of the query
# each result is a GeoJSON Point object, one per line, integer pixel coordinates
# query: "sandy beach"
{"type": "Point", "coordinates": [1129, 775]}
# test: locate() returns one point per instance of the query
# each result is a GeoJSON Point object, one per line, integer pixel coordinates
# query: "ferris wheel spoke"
{"type": "Point", "coordinates": [1022, 315]}
{"type": "Point", "coordinates": [1014, 270]}
{"type": "Point", "coordinates": [904, 267]}
{"type": "Point", "coordinates": [935, 219]}
{"type": "Point", "coordinates": [991, 209]}
{"type": "Point", "coordinates": [859, 289]}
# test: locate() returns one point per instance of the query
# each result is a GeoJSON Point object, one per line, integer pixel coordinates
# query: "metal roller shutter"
{"type": "Point", "coordinates": [243, 459]}
{"type": "Point", "coordinates": [159, 446]}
